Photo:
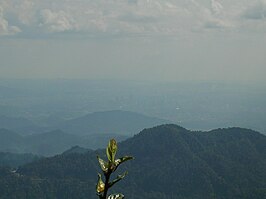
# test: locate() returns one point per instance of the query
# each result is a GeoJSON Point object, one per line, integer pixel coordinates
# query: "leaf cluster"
{"type": "Point", "coordinates": [108, 167]}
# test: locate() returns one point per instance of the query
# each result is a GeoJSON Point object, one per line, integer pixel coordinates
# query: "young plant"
{"type": "Point", "coordinates": [109, 167]}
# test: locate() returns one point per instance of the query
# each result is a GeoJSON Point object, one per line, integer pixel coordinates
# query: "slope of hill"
{"type": "Point", "coordinates": [170, 162]}
{"type": "Point", "coordinates": [14, 160]}
{"type": "Point", "coordinates": [10, 141]}
{"type": "Point", "coordinates": [51, 143]}
{"type": "Point", "coordinates": [223, 163]}
{"type": "Point", "coordinates": [91, 131]}
{"type": "Point", "coordinates": [21, 125]}
{"type": "Point", "coordinates": [77, 150]}
{"type": "Point", "coordinates": [46, 144]}
{"type": "Point", "coordinates": [118, 122]}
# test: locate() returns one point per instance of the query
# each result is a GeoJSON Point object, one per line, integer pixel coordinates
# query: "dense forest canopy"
{"type": "Point", "coordinates": [170, 162]}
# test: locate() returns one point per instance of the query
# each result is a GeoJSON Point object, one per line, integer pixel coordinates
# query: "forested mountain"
{"type": "Point", "coordinates": [14, 160]}
{"type": "Point", "coordinates": [116, 121]}
{"type": "Point", "coordinates": [170, 162]}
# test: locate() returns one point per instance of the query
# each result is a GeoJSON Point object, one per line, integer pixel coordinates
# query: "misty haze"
{"type": "Point", "coordinates": [178, 85]}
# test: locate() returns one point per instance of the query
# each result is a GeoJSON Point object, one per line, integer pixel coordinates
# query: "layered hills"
{"type": "Point", "coordinates": [46, 144]}
{"type": "Point", "coordinates": [93, 130]}
{"type": "Point", "coordinates": [170, 162]}
{"type": "Point", "coordinates": [114, 122]}
{"type": "Point", "coordinates": [17, 124]}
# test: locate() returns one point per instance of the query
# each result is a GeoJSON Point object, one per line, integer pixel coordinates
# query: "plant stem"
{"type": "Point", "coordinates": [106, 187]}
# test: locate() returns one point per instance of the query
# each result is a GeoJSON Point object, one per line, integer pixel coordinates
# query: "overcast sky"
{"type": "Point", "coordinates": [221, 40]}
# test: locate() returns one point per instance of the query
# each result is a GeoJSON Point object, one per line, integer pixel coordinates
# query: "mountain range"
{"type": "Point", "coordinates": [48, 143]}
{"type": "Point", "coordinates": [170, 162]}
{"type": "Point", "coordinates": [18, 124]}
{"type": "Point", "coordinates": [20, 135]}
{"type": "Point", "coordinates": [114, 122]}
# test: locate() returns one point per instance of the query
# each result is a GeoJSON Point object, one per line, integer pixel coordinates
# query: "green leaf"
{"type": "Point", "coordinates": [116, 196]}
{"type": "Point", "coordinates": [123, 159]}
{"type": "Point", "coordinates": [118, 178]}
{"type": "Point", "coordinates": [100, 185]}
{"type": "Point", "coordinates": [103, 164]}
{"type": "Point", "coordinates": [111, 150]}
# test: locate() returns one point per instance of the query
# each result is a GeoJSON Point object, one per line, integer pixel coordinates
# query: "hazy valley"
{"type": "Point", "coordinates": [51, 132]}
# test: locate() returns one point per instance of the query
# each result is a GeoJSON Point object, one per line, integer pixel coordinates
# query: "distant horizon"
{"type": "Point", "coordinates": [195, 81]}
{"type": "Point", "coordinates": [200, 62]}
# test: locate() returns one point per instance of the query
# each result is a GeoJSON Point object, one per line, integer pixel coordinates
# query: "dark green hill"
{"type": "Point", "coordinates": [226, 163]}
{"type": "Point", "coordinates": [119, 122]}
{"type": "Point", "coordinates": [170, 162]}
{"type": "Point", "coordinates": [14, 160]}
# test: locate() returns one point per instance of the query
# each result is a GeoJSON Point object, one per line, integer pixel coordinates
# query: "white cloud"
{"type": "Point", "coordinates": [216, 6]}
{"type": "Point", "coordinates": [5, 28]}
{"type": "Point", "coordinates": [163, 17]}
{"type": "Point", "coordinates": [26, 11]}
{"type": "Point", "coordinates": [257, 11]}
{"type": "Point", "coordinates": [217, 24]}
{"type": "Point", "coordinates": [58, 21]}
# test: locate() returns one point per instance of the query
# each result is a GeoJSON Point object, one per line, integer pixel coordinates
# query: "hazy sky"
{"type": "Point", "coordinates": [134, 39]}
